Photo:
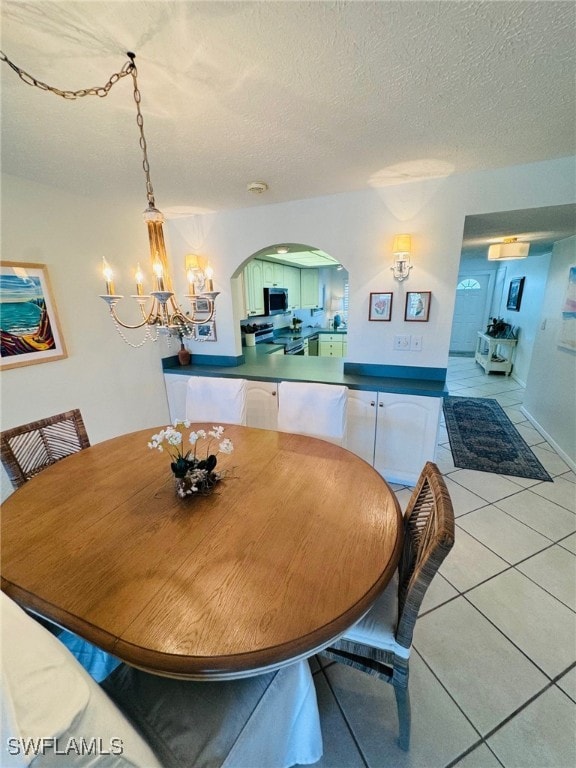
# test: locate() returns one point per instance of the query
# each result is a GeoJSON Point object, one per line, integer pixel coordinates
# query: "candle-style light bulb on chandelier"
{"type": "Point", "coordinates": [158, 309]}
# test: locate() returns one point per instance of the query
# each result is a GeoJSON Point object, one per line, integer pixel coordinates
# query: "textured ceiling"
{"type": "Point", "coordinates": [313, 98]}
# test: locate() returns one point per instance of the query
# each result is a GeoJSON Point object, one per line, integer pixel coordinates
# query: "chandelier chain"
{"type": "Point", "coordinates": [143, 145]}
{"type": "Point", "coordinates": [101, 90]}
{"type": "Point", "coordinates": [129, 68]}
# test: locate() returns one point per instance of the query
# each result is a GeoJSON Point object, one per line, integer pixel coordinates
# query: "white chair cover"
{"type": "Point", "coordinates": [46, 696]}
{"type": "Point", "coordinates": [318, 410]}
{"type": "Point", "coordinates": [216, 400]}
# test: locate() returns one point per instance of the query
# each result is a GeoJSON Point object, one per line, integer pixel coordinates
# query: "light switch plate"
{"type": "Point", "coordinates": [402, 342]}
{"type": "Point", "coordinates": [416, 344]}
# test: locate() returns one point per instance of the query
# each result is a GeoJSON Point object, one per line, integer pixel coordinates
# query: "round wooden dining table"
{"type": "Point", "coordinates": [293, 547]}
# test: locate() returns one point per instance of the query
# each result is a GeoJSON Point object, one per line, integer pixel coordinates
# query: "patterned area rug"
{"type": "Point", "coordinates": [482, 437]}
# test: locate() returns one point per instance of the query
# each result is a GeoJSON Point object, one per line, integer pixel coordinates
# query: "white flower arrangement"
{"type": "Point", "coordinates": [193, 474]}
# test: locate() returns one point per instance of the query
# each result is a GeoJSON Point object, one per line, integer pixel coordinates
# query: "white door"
{"type": "Point", "coordinates": [470, 311]}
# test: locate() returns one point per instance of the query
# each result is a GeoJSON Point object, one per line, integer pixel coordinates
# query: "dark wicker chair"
{"type": "Point", "coordinates": [379, 644]}
{"type": "Point", "coordinates": [29, 449]}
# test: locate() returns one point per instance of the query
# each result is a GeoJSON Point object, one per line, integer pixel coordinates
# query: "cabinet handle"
{"type": "Point", "coordinates": [380, 405]}
{"type": "Point", "coordinates": [372, 403]}
{"type": "Point", "coordinates": [273, 394]}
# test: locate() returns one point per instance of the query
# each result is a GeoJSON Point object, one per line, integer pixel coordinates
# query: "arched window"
{"type": "Point", "coordinates": [468, 284]}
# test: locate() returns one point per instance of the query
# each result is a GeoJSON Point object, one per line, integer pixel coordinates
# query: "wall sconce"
{"type": "Point", "coordinates": [401, 248]}
{"type": "Point", "coordinates": [509, 249]}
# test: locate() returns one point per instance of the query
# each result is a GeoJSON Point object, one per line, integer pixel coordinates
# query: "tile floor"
{"type": "Point", "coordinates": [493, 666]}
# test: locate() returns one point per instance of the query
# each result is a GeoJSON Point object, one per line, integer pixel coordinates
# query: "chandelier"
{"type": "Point", "coordinates": [158, 310]}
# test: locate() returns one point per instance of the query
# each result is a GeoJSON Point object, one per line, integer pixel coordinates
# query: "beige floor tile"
{"type": "Point", "coordinates": [440, 732]}
{"type": "Point", "coordinates": [439, 591]}
{"type": "Point", "coordinates": [562, 491]}
{"type": "Point", "coordinates": [469, 562]}
{"type": "Point", "coordinates": [487, 676]}
{"type": "Point", "coordinates": [540, 736]}
{"type": "Point", "coordinates": [569, 543]}
{"type": "Point", "coordinates": [568, 683]}
{"type": "Point", "coordinates": [507, 537]}
{"type": "Point", "coordinates": [485, 484]}
{"type": "Point", "coordinates": [530, 435]}
{"type": "Point", "coordinates": [481, 757]}
{"type": "Point", "coordinates": [463, 500]}
{"type": "Point", "coordinates": [544, 516]}
{"type": "Point", "coordinates": [339, 747]}
{"type": "Point", "coordinates": [550, 460]}
{"type": "Point", "coordinates": [554, 570]}
{"type": "Point", "coordinates": [541, 626]}
{"type": "Point", "coordinates": [443, 459]}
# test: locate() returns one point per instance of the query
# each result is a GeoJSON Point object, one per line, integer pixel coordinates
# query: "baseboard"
{"type": "Point", "coordinates": [563, 455]}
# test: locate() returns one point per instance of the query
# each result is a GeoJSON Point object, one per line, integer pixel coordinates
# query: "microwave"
{"type": "Point", "coordinates": [275, 301]}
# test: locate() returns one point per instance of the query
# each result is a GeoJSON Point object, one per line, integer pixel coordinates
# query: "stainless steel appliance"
{"type": "Point", "coordinates": [313, 345]}
{"type": "Point", "coordinates": [275, 301]}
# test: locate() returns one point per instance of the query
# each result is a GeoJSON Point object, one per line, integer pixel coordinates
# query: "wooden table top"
{"type": "Point", "coordinates": [283, 557]}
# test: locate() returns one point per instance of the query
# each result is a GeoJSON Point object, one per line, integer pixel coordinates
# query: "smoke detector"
{"type": "Point", "coordinates": [257, 187]}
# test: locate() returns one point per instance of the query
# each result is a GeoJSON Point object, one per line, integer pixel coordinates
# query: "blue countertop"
{"type": "Point", "coordinates": [260, 365]}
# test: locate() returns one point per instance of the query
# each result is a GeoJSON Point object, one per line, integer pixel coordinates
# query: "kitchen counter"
{"type": "Point", "coordinates": [260, 365]}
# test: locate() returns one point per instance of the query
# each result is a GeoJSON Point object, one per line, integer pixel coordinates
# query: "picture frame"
{"type": "Point", "coordinates": [515, 290]}
{"type": "Point", "coordinates": [205, 331]}
{"type": "Point", "coordinates": [417, 306]}
{"type": "Point", "coordinates": [201, 305]}
{"type": "Point", "coordinates": [380, 307]}
{"type": "Point", "coordinates": [29, 321]}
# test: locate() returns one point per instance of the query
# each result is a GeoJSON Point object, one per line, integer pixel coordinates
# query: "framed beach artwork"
{"type": "Point", "coordinates": [205, 331]}
{"type": "Point", "coordinates": [515, 291]}
{"type": "Point", "coordinates": [417, 306]}
{"type": "Point", "coordinates": [380, 306]}
{"type": "Point", "coordinates": [30, 330]}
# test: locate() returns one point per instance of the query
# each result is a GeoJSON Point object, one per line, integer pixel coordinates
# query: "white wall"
{"type": "Point", "coordinates": [117, 388]}
{"type": "Point", "coordinates": [357, 229]}
{"type": "Point", "coordinates": [535, 271]}
{"type": "Point", "coordinates": [550, 393]}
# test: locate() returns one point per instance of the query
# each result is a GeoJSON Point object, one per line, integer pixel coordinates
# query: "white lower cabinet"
{"type": "Point", "coordinates": [176, 385]}
{"type": "Point", "coordinates": [395, 433]}
{"type": "Point", "coordinates": [262, 404]}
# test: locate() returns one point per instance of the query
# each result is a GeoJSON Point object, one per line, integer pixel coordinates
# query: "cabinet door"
{"type": "Point", "coordinates": [309, 286]}
{"type": "Point", "coordinates": [406, 435]}
{"type": "Point", "coordinates": [272, 275]}
{"type": "Point", "coordinates": [292, 283]}
{"type": "Point", "coordinates": [361, 424]}
{"type": "Point", "coordinates": [254, 288]}
{"type": "Point", "coordinates": [176, 385]}
{"type": "Point", "coordinates": [262, 404]}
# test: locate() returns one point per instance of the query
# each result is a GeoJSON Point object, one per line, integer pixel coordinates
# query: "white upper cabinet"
{"type": "Point", "coordinates": [310, 288]}
{"type": "Point", "coordinates": [273, 274]}
{"type": "Point", "coordinates": [292, 283]}
{"type": "Point", "coordinates": [254, 288]}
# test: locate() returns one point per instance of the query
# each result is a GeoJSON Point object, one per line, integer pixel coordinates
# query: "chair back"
{"type": "Point", "coordinates": [318, 410]}
{"type": "Point", "coordinates": [30, 448]}
{"type": "Point", "coordinates": [217, 400]}
{"type": "Point", "coordinates": [428, 538]}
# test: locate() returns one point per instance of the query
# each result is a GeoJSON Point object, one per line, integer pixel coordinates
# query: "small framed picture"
{"type": "Point", "coordinates": [417, 306]}
{"type": "Point", "coordinates": [205, 331]}
{"type": "Point", "coordinates": [380, 306]}
{"type": "Point", "coordinates": [515, 294]}
{"type": "Point", "coordinates": [201, 305]}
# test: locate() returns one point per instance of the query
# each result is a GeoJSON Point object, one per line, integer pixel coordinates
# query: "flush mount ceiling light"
{"type": "Point", "coordinates": [282, 249]}
{"type": "Point", "coordinates": [159, 309]}
{"type": "Point", "coordinates": [509, 249]}
{"type": "Point", "coordinates": [257, 187]}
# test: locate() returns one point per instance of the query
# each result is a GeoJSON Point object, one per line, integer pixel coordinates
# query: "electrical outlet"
{"type": "Point", "coordinates": [416, 344]}
{"type": "Point", "coordinates": [402, 342]}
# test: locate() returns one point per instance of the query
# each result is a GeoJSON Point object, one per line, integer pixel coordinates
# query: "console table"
{"type": "Point", "coordinates": [494, 354]}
